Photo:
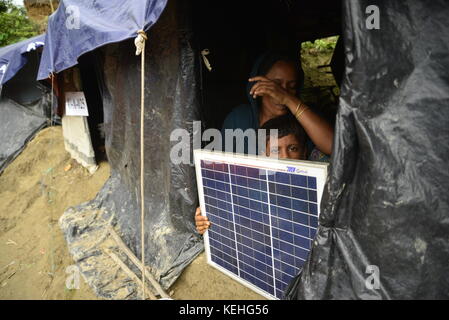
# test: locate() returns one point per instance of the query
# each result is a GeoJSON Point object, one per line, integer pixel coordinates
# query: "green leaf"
{"type": "Point", "coordinates": [14, 24]}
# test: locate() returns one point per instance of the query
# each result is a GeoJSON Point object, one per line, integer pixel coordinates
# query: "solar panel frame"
{"type": "Point", "coordinates": [224, 199]}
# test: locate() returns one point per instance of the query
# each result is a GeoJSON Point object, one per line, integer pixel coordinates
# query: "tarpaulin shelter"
{"type": "Point", "coordinates": [25, 104]}
{"type": "Point", "coordinates": [13, 57]}
{"type": "Point", "coordinates": [170, 95]}
{"type": "Point", "coordinates": [385, 204]}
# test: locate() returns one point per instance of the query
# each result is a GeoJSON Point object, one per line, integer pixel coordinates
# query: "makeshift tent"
{"type": "Point", "coordinates": [171, 242]}
{"type": "Point", "coordinates": [385, 204]}
{"type": "Point", "coordinates": [25, 104]}
{"type": "Point", "coordinates": [91, 25]}
{"type": "Point", "coordinates": [384, 214]}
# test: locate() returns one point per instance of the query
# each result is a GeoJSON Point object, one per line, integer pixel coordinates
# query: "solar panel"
{"type": "Point", "coordinates": [263, 213]}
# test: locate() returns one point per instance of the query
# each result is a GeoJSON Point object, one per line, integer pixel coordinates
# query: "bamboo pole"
{"type": "Point", "coordinates": [129, 272]}
{"type": "Point", "coordinates": [138, 264]}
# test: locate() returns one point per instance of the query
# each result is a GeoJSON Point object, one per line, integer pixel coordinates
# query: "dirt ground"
{"type": "Point", "coordinates": [200, 281]}
{"type": "Point", "coordinates": [39, 10]}
{"type": "Point", "coordinates": [34, 192]}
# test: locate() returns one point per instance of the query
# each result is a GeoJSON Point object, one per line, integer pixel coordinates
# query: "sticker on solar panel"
{"type": "Point", "coordinates": [263, 213]}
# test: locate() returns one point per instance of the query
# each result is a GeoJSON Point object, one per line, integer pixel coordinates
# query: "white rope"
{"type": "Point", "coordinates": [140, 50]}
{"type": "Point", "coordinates": [204, 53]}
{"type": "Point", "coordinates": [52, 77]}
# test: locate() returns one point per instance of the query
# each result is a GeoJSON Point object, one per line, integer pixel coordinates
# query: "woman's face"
{"type": "Point", "coordinates": [284, 74]}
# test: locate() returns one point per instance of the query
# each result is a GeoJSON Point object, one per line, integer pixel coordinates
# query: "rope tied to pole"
{"type": "Point", "coordinates": [140, 41]}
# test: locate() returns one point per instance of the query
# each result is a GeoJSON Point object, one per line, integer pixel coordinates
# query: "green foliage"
{"type": "Point", "coordinates": [321, 45]}
{"type": "Point", "coordinates": [14, 24]}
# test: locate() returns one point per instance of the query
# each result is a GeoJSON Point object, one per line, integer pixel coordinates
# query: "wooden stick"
{"type": "Point", "coordinates": [138, 264]}
{"type": "Point", "coordinates": [129, 272]}
{"type": "Point", "coordinates": [51, 6]}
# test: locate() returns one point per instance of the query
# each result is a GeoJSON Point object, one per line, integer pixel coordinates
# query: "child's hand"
{"type": "Point", "coordinates": [202, 223]}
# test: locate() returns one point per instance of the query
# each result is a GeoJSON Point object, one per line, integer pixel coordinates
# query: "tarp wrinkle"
{"type": "Point", "coordinates": [385, 208]}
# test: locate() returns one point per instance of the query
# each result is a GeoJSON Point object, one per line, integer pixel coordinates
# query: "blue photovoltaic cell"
{"type": "Point", "coordinates": [262, 222]}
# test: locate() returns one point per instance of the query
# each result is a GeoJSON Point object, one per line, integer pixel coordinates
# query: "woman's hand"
{"type": "Point", "coordinates": [267, 87]}
{"type": "Point", "coordinates": [316, 127]}
{"type": "Point", "coordinates": [201, 222]}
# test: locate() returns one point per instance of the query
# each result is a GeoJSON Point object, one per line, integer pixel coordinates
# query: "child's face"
{"type": "Point", "coordinates": [288, 148]}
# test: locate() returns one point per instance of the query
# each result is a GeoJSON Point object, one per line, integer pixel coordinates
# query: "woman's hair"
{"type": "Point", "coordinates": [270, 58]}
{"type": "Point", "coordinates": [286, 124]}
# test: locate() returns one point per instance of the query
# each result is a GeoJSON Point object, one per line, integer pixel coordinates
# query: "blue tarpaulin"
{"type": "Point", "coordinates": [80, 26]}
{"type": "Point", "coordinates": [12, 57]}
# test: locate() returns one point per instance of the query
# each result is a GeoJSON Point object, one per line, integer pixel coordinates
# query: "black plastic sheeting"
{"type": "Point", "coordinates": [18, 125]}
{"type": "Point", "coordinates": [386, 202]}
{"type": "Point", "coordinates": [25, 108]}
{"type": "Point", "coordinates": [171, 241]}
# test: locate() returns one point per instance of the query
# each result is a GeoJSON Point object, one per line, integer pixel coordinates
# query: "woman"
{"type": "Point", "coordinates": [273, 91]}
{"type": "Point", "coordinates": [273, 94]}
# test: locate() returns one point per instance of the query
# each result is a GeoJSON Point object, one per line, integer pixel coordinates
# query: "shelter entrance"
{"type": "Point", "coordinates": [237, 35]}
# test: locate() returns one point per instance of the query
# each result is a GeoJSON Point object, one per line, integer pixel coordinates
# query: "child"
{"type": "Point", "coordinates": [291, 144]}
